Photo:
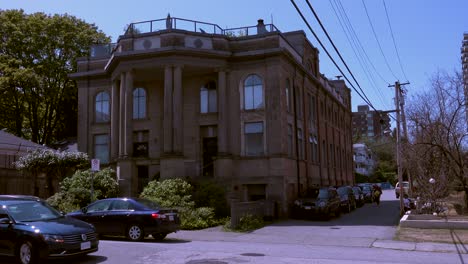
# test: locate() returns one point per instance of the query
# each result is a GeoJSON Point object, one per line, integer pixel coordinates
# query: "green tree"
{"type": "Point", "coordinates": [37, 52]}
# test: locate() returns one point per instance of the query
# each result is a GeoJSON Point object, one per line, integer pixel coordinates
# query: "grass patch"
{"type": "Point", "coordinates": [432, 235]}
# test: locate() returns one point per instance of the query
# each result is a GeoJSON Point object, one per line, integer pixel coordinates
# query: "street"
{"type": "Point", "coordinates": [352, 238]}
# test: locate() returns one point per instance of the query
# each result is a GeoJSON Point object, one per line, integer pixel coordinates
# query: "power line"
{"type": "Point", "coordinates": [341, 8]}
{"type": "Point", "coordinates": [393, 38]}
{"type": "Point", "coordinates": [326, 51]}
{"type": "Point", "coordinates": [336, 49]}
{"type": "Point", "coordinates": [357, 47]}
{"type": "Point", "coordinates": [377, 39]}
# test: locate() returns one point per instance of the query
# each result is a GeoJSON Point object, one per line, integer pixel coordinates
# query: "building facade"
{"type": "Point", "coordinates": [247, 107]}
{"type": "Point", "coordinates": [369, 124]}
{"type": "Point", "coordinates": [364, 160]}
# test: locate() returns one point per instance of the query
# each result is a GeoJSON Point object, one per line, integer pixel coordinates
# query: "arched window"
{"type": "Point", "coordinates": [102, 107]}
{"type": "Point", "coordinates": [253, 92]}
{"type": "Point", "coordinates": [139, 103]}
{"type": "Point", "coordinates": [208, 98]}
{"type": "Point", "coordinates": [288, 96]}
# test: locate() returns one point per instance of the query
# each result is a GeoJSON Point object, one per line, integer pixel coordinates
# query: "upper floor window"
{"type": "Point", "coordinates": [288, 96]}
{"type": "Point", "coordinates": [101, 148]}
{"type": "Point", "coordinates": [208, 98]}
{"type": "Point", "coordinates": [253, 92]}
{"type": "Point", "coordinates": [139, 103]}
{"type": "Point", "coordinates": [102, 110]}
{"type": "Point", "coordinates": [253, 133]}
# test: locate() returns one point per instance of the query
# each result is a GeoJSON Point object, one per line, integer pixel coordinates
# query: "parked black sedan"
{"type": "Point", "coordinates": [348, 201]}
{"type": "Point", "coordinates": [324, 203]}
{"type": "Point", "coordinates": [134, 218]}
{"type": "Point", "coordinates": [31, 230]}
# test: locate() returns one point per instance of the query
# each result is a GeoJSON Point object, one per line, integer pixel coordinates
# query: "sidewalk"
{"type": "Point", "coordinates": [217, 234]}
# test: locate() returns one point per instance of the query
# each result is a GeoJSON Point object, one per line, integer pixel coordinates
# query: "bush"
{"type": "Point", "coordinates": [247, 223]}
{"type": "Point", "coordinates": [198, 218]}
{"type": "Point", "coordinates": [177, 193]}
{"type": "Point", "coordinates": [170, 193]}
{"type": "Point", "coordinates": [211, 194]}
{"type": "Point", "coordinates": [75, 190]}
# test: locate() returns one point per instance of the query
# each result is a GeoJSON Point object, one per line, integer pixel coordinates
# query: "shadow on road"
{"type": "Point", "coordinates": [386, 214]}
{"type": "Point", "coordinates": [89, 259]}
{"type": "Point", "coordinates": [146, 240]}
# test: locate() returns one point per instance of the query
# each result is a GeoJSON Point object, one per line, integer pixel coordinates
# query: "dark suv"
{"type": "Point", "coordinates": [348, 201]}
{"type": "Point", "coordinates": [323, 202]}
{"type": "Point", "coordinates": [31, 230]}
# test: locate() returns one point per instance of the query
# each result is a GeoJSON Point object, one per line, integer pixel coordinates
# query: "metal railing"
{"type": "Point", "coordinates": [169, 23]}
{"type": "Point", "coordinates": [100, 50]}
{"type": "Point", "coordinates": [173, 23]}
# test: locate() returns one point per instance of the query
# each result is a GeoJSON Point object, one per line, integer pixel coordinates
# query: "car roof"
{"type": "Point", "coordinates": [19, 197]}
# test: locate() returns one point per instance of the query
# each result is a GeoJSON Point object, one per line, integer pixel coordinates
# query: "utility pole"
{"type": "Point", "coordinates": [398, 94]}
{"type": "Point", "coordinates": [405, 140]}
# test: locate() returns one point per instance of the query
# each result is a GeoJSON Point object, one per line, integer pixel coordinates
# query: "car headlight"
{"type": "Point", "coordinates": [297, 202]}
{"type": "Point", "coordinates": [53, 238]}
{"type": "Point", "coordinates": [322, 204]}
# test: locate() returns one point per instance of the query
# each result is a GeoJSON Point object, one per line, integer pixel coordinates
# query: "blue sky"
{"type": "Point", "coordinates": [427, 33]}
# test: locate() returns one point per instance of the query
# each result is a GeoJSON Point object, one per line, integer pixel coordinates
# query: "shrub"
{"type": "Point", "coordinates": [170, 193]}
{"type": "Point", "coordinates": [177, 193]}
{"type": "Point", "coordinates": [75, 190]}
{"type": "Point", "coordinates": [198, 218]}
{"type": "Point", "coordinates": [247, 223]}
{"type": "Point", "coordinates": [211, 194]}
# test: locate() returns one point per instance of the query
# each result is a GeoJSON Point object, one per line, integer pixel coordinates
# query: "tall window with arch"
{"type": "Point", "coordinates": [102, 107]}
{"type": "Point", "coordinates": [253, 92]}
{"type": "Point", "coordinates": [208, 98]}
{"type": "Point", "coordinates": [139, 103]}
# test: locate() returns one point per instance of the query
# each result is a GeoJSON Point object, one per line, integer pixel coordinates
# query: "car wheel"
{"type": "Point", "coordinates": [135, 233]}
{"type": "Point", "coordinates": [159, 236]}
{"type": "Point", "coordinates": [338, 212]}
{"type": "Point", "coordinates": [26, 253]}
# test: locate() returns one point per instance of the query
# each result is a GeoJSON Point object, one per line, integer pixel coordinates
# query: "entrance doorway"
{"type": "Point", "coordinates": [210, 150]}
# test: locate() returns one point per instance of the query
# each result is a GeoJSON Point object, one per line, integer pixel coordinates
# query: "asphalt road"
{"type": "Point", "coordinates": [352, 238]}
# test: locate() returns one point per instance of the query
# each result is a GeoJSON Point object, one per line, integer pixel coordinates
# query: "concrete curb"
{"type": "Point", "coordinates": [431, 222]}
{"type": "Point", "coordinates": [420, 246]}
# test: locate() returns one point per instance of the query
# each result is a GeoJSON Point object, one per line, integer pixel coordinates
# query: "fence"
{"type": "Point", "coordinates": [264, 208]}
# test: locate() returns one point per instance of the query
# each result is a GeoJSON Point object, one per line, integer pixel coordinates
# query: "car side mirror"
{"type": "Point", "coordinates": [5, 221]}
{"type": "Point", "coordinates": [84, 210]}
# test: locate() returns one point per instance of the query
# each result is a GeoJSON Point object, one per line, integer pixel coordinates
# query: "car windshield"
{"type": "Point", "coordinates": [366, 188]}
{"type": "Point", "coordinates": [323, 194]}
{"type": "Point", "coordinates": [28, 211]}
{"type": "Point", "coordinates": [342, 191]}
{"type": "Point", "coordinates": [147, 203]}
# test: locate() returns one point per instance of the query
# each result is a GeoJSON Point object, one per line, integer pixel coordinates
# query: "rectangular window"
{"type": "Point", "coordinates": [290, 141]}
{"type": "Point", "coordinates": [208, 100]}
{"type": "Point", "coordinates": [300, 142]}
{"type": "Point", "coordinates": [140, 143]}
{"type": "Point", "coordinates": [101, 148]}
{"type": "Point", "coordinates": [312, 113]}
{"type": "Point", "coordinates": [253, 133]}
{"type": "Point", "coordinates": [313, 148]}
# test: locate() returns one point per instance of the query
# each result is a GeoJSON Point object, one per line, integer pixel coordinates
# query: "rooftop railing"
{"type": "Point", "coordinates": [170, 23]}
{"type": "Point", "coordinates": [173, 23]}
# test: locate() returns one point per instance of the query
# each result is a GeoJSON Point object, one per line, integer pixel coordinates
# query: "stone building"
{"type": "Point", "coordinates": [247, 107]}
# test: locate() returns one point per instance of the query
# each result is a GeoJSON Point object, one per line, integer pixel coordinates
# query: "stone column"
{"type": "Point", "coordinates": [167, 124]}
{"type": "Point", "coordinates": [177, 109]}
{"type": "Point", "coordinates": [115, 120]}
{"type": "Point", "coordinates": [222, 113]}
{"type": "Point", "coordinates": [128, 149]}
{"type": "Point", "coordinates": [122, 115]}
